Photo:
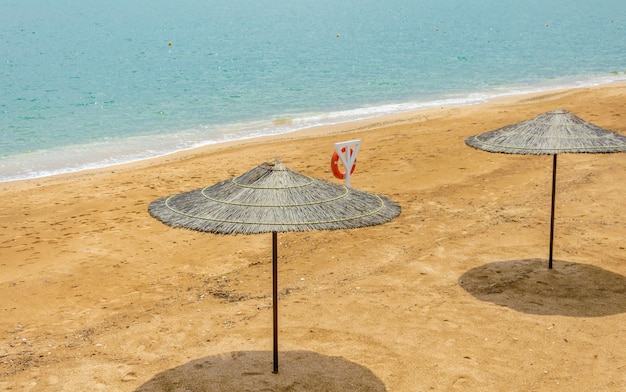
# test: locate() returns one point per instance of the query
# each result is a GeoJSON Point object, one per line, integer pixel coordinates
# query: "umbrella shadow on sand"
{"type": "Point", "coordinates": [247, 371]}
{"type": "Point", "coordinates": [570, 289]}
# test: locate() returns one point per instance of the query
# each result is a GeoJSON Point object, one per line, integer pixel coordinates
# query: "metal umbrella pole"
{"type": "Point", "coordinates": [275, 295]}
{"type": "Point", "coordinates": [552, 211]}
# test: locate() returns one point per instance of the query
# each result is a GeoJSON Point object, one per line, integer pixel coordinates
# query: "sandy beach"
{"type": "Point", "coordinates": [452, 295]}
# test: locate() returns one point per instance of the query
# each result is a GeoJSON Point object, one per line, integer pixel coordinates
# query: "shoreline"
{"type": "Point", "coordinates": [315, 131]}
{"type": "Point", "coordinates": [342, 126]}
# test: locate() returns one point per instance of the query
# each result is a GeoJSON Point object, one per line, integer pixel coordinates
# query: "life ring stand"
{"type": "Point", "coordinates": [334, 164]}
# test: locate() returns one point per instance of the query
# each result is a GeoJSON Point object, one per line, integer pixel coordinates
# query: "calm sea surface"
{"type": "Point", "coordinates": [88, 84]}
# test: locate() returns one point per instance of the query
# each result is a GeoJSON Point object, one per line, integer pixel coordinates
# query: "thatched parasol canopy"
{"type": "Point", "coordinates": [550, 133]}
{"type": "Point", "coordinates": [554, 132]}
{"type": "Point", "coordinates": [273, 198]}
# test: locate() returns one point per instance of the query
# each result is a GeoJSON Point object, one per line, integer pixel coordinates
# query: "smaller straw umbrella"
{"type": "Point", "coordinates": [550, 133]}
{"type": "Point", "coordinates": [273, 198]}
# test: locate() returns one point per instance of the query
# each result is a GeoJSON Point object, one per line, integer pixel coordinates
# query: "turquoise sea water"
{"type": "Point", "coordinates": [90, 83]}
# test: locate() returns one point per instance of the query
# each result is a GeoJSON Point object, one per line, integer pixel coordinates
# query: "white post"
{"type": "Point", "coordinates": [347, 153]}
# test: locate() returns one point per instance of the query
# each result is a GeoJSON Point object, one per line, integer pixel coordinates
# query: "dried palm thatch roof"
{"type": "Point", "coordinates": [273, 198]}
{"type": "Point", "coordinates": [554, 132]}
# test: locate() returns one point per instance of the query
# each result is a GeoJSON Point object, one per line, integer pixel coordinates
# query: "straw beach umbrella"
{"type": "Point", "coordinates": [550, 133]}
{"type": "Point", "coordinates": [273, 198]}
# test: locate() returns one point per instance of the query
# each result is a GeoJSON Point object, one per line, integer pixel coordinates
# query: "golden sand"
{"type": "Point", "coordinates": [454, 294]}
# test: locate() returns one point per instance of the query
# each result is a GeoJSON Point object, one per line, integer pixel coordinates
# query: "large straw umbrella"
{"type": "Point", "coordinates": [550, 133]}
{"type": "Point", "coordinates": [273, 198]}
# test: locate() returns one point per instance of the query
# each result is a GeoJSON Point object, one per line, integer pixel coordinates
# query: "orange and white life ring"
{"type": "Point", "coordinates": [334, 164]}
